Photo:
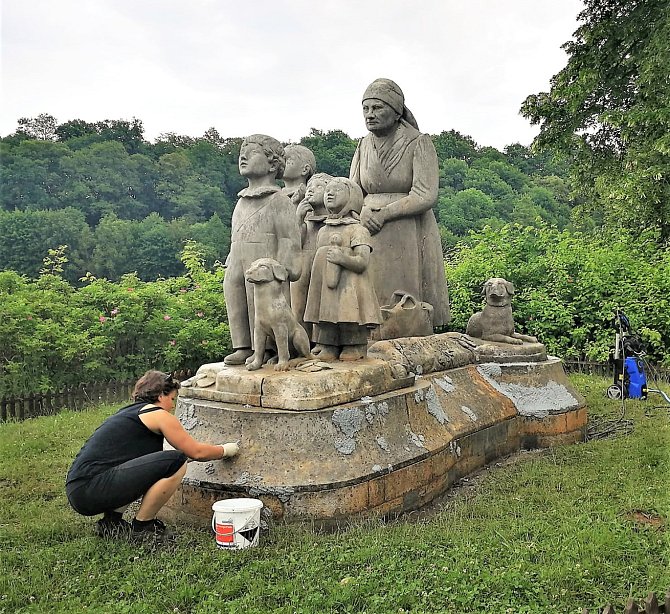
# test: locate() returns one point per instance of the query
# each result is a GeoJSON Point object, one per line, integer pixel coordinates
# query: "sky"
{"type": "Point", "coordinates": [282, 67]}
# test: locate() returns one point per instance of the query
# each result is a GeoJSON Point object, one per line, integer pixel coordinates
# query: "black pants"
{"type": "Point", "coordinates": [122, 484]}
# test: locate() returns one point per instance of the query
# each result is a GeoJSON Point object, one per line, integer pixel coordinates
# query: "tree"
{"type": "Point", "coordinates": [453, 144]}
{"type": "Point", "coordinates": [609, 109]}
{"type": "Point", "coordinates": [105, 179]}
{"type": "Point", "coordinates": [27, 237]}
{"type": "Point", "coordinates": [333, 151]}
{"type": "Point", "coordinates": [74, 129]}
{"type": "Point", "coordinates": [42, 127]}
{"type": "Point", "coordinates": [33, 174]}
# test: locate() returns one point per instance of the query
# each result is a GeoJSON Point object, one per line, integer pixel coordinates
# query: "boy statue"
{"type": "Point", "coordinates": [300, 166]}
{"type": "Point", "coordinates": [264, 225]}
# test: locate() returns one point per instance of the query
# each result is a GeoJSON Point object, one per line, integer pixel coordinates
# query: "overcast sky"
{"type": "Point", "coordinates": [282, 67]}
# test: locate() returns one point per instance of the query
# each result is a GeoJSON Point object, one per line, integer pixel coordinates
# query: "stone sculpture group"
{"type": "Point", "coordinates": [325, 272]}
{"type": "Point", "coordinates": [346, 247]}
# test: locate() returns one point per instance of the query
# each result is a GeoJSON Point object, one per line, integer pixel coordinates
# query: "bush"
{"type": "Point", "coordinates": [568, 286]}
{"type": "Point", "coordinates": [56, 335]}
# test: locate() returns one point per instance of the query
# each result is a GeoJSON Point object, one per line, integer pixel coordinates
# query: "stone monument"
{"type": "Point", "coordinates": [392, 427]}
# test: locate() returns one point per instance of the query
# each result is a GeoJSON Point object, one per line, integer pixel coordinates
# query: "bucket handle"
{"type": "Point", "coordinates": [213, 519]}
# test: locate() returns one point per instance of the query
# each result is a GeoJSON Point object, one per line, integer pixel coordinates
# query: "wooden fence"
{"type": "Point", "coordinates": [72, 397]}
{"type": "Point", "coordinates": [651, 606]}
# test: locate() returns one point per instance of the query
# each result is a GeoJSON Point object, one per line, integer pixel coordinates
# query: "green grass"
{"type": "Point", "coordinates": [549, 533]}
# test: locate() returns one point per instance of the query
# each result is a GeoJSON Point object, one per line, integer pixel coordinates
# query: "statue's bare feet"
{"type": "Point", "coordinates": [353, 352]}
{"type": "Point", "coordinates": [238, 357]}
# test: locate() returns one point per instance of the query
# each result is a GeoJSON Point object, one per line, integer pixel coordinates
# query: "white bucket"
{"type": "Point", "coordinates": [236, 523]}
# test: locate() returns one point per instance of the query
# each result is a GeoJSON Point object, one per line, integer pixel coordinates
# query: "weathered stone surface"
{"type": "Point", "coordinates": [423, 355]}
{"type": "Point", "coordinates": [397, 168]}
{"type": "Point", "coordinates": [298, 390]}
{"type": "Point", "coordinates": [380, 454]}
{"type": "Point", "coordinates": [495, 321]}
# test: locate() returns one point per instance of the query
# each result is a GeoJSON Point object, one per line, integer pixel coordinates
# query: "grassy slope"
{"type": "Point", "coordinates": [549, 533]}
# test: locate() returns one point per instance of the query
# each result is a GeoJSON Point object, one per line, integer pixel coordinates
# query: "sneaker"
{"type": "Point", "coordinates": [149, 527]}
{"type": "Point", "coordinates": [110, 528]}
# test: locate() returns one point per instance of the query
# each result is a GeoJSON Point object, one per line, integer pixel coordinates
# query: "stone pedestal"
{"type": "Point", "coordinates": [375, 436]}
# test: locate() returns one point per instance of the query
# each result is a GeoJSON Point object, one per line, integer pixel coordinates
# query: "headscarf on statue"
{"type": "Point", "coordinates": [391, 149]}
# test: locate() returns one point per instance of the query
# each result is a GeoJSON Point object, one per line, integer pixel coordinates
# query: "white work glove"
{"type": "Point", "coordinates": [230, 449]}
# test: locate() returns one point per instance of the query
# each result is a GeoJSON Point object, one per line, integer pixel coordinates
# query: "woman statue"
{"type": "Point", "coordinates": [397, 168]}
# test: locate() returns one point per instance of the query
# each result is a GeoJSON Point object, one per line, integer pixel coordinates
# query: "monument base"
{"type": "Point", "coordinates": [380, 454]}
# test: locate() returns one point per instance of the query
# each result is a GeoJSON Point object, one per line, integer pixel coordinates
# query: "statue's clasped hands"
{"type": "Point", "coordinates": [373, 218]}
{"type": "Point", "coordinates": [335, 255]}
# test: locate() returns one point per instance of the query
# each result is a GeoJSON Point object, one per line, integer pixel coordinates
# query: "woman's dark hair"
{"type": "Point", "coordinates": [152, 384]}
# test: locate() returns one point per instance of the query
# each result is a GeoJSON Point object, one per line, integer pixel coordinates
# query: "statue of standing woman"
{"type": "Point", "coordinates": [397, 168]}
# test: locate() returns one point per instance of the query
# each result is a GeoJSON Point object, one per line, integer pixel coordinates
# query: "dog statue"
{"type": "Point", "coordinates": [495, 322]}
{"type": "Point", "coordinates": [273, 317]}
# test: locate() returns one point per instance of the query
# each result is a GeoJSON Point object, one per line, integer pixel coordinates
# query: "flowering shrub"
{"type": "Point", "coordinates": [54, 334]}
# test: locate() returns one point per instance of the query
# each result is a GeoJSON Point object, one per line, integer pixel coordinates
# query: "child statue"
{"type": "Point", "coordinates": [341, 301]}
{"type": "Point", "coordinates": [311, 214]}
{"type": "Point", "coordinates": [300, 166]}
{"type": "Point", "coordinates": [264, 225]}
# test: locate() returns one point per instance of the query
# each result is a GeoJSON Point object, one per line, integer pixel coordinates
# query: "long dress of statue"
{"type": "Point", "coordinates": [397, 168]}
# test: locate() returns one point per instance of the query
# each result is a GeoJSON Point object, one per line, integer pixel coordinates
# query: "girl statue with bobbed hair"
{"type": "Point", "coordinates": [397, 168]}
{"type": "Point", "coordinates": [341, 301]}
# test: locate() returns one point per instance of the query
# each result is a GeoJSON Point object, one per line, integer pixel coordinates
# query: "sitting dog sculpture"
{"type": "Point", "coordinates": [273, 316]}
{"type": "Point", "coordinates": [495, 322]}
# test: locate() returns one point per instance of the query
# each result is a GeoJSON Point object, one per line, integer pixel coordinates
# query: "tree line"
{"type": "Point", "coordinates": [122, 204]}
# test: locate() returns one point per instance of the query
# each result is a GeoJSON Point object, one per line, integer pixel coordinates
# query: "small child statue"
{"type": "Point", "coordinates": [341, 301]}
{"type": "Point", "coordinates": [311, 214]}
{"type": "Point", "coordinates": [300, 166]}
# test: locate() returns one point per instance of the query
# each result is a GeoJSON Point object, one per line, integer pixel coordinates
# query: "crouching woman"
{"type": "Point", "coordinates": [124, 460]}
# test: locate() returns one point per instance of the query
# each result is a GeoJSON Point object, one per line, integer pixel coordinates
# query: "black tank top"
{"type": "Point", "coordinates": [118, 439]}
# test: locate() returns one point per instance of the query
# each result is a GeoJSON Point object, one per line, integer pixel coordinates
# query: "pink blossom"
{"type": "Point", "coordinates": [166, 317]}
{"type": "Point", "coordinates": [102, 319]}
{"type": "Point", "coordinates": [130, 289]}
{"type": "Point", "coordinates": [183, 290]}
{"type": "Point", "coordinates": [29, 317]}
{"type": "Point", "coordinates": [114, 312]}
{"type": "Point", "coordinates": [200, 314]}
{"type": "Point", "coordinates": [173, 342]}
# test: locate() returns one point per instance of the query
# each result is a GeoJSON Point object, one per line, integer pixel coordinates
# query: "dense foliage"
{"type": "Point", "coordinates": [568, 286]}
{"type": "Point", "coordinates": [609, 110]}
{"type": "Point", "coordinates": [123, 205]}
{"type": "Point", "coordinates": [54, 334]}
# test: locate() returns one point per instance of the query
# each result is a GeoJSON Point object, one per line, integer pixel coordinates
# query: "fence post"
{"type": "Point", "coordinates": [631, 607]}
{"type": "Point", "coordinates": [32, 405]}
{"type": "Point", "coordinates": [651, 604]}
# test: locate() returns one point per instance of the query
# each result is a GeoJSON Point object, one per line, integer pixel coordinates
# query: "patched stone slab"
{"type": "Point", "coordinates": [298, 390]}
{"type": "Point", "coordinates": [533, 395]}
{"type": "Point", "coordinates": [424, 355]}
{"type": "Point", "coordinates": [378, 454]}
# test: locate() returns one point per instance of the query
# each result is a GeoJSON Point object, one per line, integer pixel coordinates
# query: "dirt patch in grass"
{"type": "Point", "coordinates": [646, 519]}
